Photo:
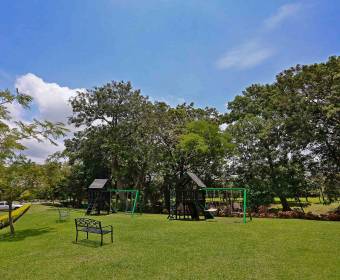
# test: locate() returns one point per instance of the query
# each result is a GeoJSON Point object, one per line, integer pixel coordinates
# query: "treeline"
{"type": "Point", "coordinates": [278, 140]}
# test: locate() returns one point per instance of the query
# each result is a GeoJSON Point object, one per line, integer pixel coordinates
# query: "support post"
{"type": "Point", "coordinates": [244, 206]}
{"type": "Point", "coordinates": [135, 202]}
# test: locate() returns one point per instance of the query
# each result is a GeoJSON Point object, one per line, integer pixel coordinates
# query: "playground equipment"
{"type": "Point", "coordinates": [124, 200]}
{"type": "Point", "coordinates": [103, 198]}
{"type": "Point", "coordinates": [194, 200]}
{"type": "Point", "coordinates": [228, 201]}
{"type": "Point", "coordinates": [98, 197]}
{"type": "Point", "coordinates": [188, 202]}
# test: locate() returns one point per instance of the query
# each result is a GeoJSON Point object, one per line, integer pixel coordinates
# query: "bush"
{"type": "Point", "coordinates": [311, 216]}
{"type": "Point", "coordinates": [16, 214]}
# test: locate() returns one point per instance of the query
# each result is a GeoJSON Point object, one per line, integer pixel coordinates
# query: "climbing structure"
{"type": "Point", "coordinates": [98, 197]}
{"type": "Point", "coordinates": [187, 201]}
{"type": "Point", "coordinates": [191, 199]}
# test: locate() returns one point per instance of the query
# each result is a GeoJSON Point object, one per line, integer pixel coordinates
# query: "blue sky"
{"type": "Point", "coordinates": [175, 51]}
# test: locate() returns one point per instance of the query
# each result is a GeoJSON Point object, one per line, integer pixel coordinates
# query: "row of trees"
{"type": "Point", "coordinates": [279, 140]}
{"type": "Point", "coordinates": [288, 133]}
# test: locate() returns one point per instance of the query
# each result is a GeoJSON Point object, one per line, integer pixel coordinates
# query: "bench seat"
{"type": "Point", "coordinates": [92, 226]}
{"type": "Point", "coordinates": [95, 230]}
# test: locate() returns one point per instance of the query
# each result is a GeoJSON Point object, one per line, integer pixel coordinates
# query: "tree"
{"type": "Point", "coordinates": [268, 159]}
{"type": "Point", "coordinates": [127, 138]}
{"type": "Point", "coordinates": [288, 132]}
{"type": "Point", "coordinates": [313, 117]}
{"type": "Point", "coordinates": [54, 175]}
{"type": "Point", "coordinates": [17, 175]}
{"type": "Point", "coordinates": [113, 116]}
{"type": "Point", "coordinates": [207, 148]}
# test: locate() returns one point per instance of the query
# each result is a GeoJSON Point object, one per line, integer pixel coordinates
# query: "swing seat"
{"type": "Point", "coordinates": [208, 215]}
{"type": "Point", "coordinates": [211, 210]}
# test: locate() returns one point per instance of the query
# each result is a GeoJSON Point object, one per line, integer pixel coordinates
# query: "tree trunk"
{"type": "Point", "coordinates": [300, 204]}
{"type": "Point", "coordinates": [322, 195]}
{"type": "Point", "coordinates": [10, 218]}
{"type": "Point", "coordinates": [284, 203]}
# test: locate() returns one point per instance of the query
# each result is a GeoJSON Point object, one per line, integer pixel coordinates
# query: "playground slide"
{"type": "Point", "coordinates": [207, 214]}
{"type": "Point", "coordinates": [89, 209]}
{"type": "Point", "coordinates": [16, 214]}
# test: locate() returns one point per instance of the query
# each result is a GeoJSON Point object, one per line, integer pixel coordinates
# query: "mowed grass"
{"type": "Point", "coordinates": [151, 247]}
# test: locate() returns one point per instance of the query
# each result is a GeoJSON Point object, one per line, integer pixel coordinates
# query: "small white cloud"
{"type": "Point", "coordinates": [252, 53]}
{"type": "Point", "coordinates": [39, 151]}
{"type": "Point", "coordinates": [52, 103]}
{"type": "Point", "coordinates": [245, 56]}
{"type": "Point", "coordinates": [282, 14]}
{"type": "Point", "coordinates": [15, 110]}
{"type": "Point", "coordinates": [51, 99]}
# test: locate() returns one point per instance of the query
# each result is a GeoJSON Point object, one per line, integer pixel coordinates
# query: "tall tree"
{"type": "Point", "coordinates": [115, 120]}
{"type": "Point", "coordinates": [15, 178]}
{"type": "Point", "coordinates": [266, 154]}
{"type": "Point", "coordinates": [313, 116]}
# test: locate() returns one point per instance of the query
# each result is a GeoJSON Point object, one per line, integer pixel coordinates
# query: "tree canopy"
{"type": "Point", "coordinates": [277, 140]}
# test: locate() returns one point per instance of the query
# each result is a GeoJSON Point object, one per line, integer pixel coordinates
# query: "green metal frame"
{"type": "Point", "coordinates": [130, 191]}
{"type": "Point", "coordinates": [233, 189]}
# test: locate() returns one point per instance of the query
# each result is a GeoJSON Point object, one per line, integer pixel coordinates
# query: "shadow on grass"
{"type": "Point", "coordinates": [20, 235]}
{"type": "Point", "coordinates": [90, 243]}
{"type": "Point", "coordinates": [297, 204]}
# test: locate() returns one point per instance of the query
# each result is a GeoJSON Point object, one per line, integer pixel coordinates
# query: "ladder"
{"type": "Point", "coordinates": [172, 210]}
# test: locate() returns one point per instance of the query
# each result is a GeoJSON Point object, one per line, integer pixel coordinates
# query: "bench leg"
{"type": "Point", "coordinates": [77, 237]}
{"type": "Point", "coordinates": [87, 235]}
{"type": "Point", "coordinates": [101, 240]}
{"type": "Point", "coordinates": [111, 236]}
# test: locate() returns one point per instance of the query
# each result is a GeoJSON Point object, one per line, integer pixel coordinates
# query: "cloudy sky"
{"type": "Point", "coordinates": [201, 51]}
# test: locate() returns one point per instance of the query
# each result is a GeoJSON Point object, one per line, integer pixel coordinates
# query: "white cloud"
{"type": "Point", "coordinates": [252, 52]}
{"type": "Point", "coordinates": [15, 110]}
{"type": "Point", "coordinates": [245, 56]}
{"type": "Point", "coordinates": [50, 98]}
{"type": "Point", "coordinates": [51, 102]}
{"type": "Point", "coordinates": [282, 14]}
{"type": "Point", "coordinates": [39, 151]}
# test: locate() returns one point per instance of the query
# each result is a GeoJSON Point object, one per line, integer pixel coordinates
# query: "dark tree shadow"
{"type": "Point", "coordinates": [23, 234]}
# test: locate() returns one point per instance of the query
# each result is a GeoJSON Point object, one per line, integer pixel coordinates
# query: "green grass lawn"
{"type": "Point", "coordinates": [151, 247]}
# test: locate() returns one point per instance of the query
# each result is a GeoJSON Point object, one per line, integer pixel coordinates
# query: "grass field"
{"type": "Point", "coordinates": [150, 247]}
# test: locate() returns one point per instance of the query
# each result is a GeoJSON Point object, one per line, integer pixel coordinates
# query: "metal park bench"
{"type": "Point", "coordinates": [92, 226]}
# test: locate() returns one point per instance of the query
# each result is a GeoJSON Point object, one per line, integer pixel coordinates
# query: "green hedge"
{"type": "Point", "coordinates": [16, 214]}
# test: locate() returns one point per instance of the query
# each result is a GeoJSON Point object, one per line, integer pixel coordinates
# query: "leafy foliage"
{"type": "Point", "coordinates": [17, 174]}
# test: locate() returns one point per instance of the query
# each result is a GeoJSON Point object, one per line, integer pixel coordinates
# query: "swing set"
{"type": "Point", "coordinates": [192, 200]}
{"type": "Point", "coordinates": [124, 200]}
{"type": "Point", "coordinates": [226, 201]}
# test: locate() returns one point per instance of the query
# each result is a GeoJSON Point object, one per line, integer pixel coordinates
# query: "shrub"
{"type": "Point", "coordinates": [311, 216]}
{"type": "Point", "coordinates": [16, 214]}
{"type": "Point", "coordinates": [291, 214]}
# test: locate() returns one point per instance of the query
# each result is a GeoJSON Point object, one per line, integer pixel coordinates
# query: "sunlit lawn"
{"type": "Point", "coordinates": [151, 247]}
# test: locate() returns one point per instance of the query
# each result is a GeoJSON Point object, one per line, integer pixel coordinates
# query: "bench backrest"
{"type": "Point", "coordinates": [88, 223]}
{"type": "Point", "coordinates": [63, 213]}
